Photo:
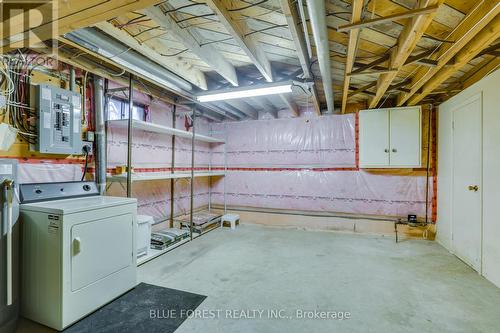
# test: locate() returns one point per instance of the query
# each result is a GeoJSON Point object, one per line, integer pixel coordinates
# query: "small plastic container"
{"type": "Point", "coordinates": [8, 136]}
{"type": "Point", "coordinates": [144, 223]}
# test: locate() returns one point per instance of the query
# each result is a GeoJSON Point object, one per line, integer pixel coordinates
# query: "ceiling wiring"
{"type": "Point", "coordinates": [266, 29]}
{"type": "Point", "coordinates": [246, 7]}
{"type": "Point", "coordinates": [147, 30]}
{"type": "Point", "coordinates": [195, 17]}
{"type": "Point", "coordinates": [174, 54]}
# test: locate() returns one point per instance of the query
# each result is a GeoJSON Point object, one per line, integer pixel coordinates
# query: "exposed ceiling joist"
{"type": "Point", "coordinates": [223, 110]}
{"type": "Point", "coordinates": [427, 62]}
{"type": "Point", "coordinates": [374, 72]}
{"type": "Point", "coordinates": [207, 53]}
{"type": "Point", "coordinates": [219, 111]}
{"type": "Point", "coordinates": [82, 63]}
{"type": "Point", "coordinates": [390, 18]}
{"type": "Point", "coordinates": [292, 106]}
{"type": "Point", "coordinates": [317, 17]}
{"type": "Point", "coordinates": [362, 89]}
{"type": "Point", "coordinates": [238, 30]}
{"type": "Point", "coordinates": [481, 70]}
{"type": "Point", "coordinates": [208, 114]}
{"type": "Point", "coordinates": [291, 15]}
{"type": "Point", "coordinates": [244, 107]}
{"type": "Point", "coordinates": [264, 105]}
{"type": "Point", "coordinates": [407, 41]}
{"type": "Point", "coordinates": [492, 50]}
{"type": "Point", "coordinates": [357, 10]}
{"type": "Point", "coordinates": [487, 36]}
{"type": "Point", "coordinates": [230, 110]}
{"type": "Point", "coordinates": [177, 65]}
{"type": "Point", "coordinates": [369, 65]}
{"type": "Point", "coordinates": [292, 18]}
{"type": "Point", "coordinates": [400, 86]}
{"type": "Point", "coordinates": [468, 28]}
{"type": "Point", "coordinates": [70, 15]}
{"type": "Point", "coordinates": [418, 57]}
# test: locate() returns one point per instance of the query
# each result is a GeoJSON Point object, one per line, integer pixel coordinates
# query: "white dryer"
{"type": "Point", "coordinates": [78, 253]}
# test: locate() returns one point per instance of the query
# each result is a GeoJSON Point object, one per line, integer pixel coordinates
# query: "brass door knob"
{"type": "Point", "coordinates": [386, 150]}
{"type": "Point", "coordinates": [474, 188]}
{"type": "Point", "coordinates": [394, 150]}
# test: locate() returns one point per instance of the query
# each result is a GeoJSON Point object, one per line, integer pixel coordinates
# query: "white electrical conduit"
{"type": "Point", "coordinates": [8, 194]}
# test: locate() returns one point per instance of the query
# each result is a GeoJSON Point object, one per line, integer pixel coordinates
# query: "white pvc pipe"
{"type": "Point", "coordinates": [9, 244]}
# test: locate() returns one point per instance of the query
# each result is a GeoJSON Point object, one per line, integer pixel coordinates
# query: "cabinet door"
{"type": "Point", "coordinates": [405, 137]}
{"type": "Point", "coordinates": [374, 138]}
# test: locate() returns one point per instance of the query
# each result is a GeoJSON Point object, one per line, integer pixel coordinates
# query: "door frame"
{"type": "Point", "coordinates": [477, 96]}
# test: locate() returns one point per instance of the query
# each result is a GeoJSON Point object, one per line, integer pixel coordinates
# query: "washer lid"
{"type": "Point", "coordinates": [76, 205]}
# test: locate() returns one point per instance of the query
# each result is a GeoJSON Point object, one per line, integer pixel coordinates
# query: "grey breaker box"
{"type": "Point", "coordinates": [59, 120]}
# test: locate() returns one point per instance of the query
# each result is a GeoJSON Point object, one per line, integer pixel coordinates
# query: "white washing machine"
{"type": "Point", "coordinates": [78, 250]}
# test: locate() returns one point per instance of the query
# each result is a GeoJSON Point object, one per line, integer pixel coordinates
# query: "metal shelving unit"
{"type": "Point", "coordinates": [129, 178]}
{"type": "Point", "coordinates": [155, 128]}
{"type": "Point", "coordinates": [162, 175]}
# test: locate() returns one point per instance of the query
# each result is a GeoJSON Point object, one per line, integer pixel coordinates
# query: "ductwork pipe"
{"type": "Point", "coordinates": [131, 60]}
{"type": "Point", "coordinates": [100, 134]}
{"type": "Point", "coordinates": [317, 15]}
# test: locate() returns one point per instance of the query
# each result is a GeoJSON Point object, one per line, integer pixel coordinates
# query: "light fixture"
{"type": "Point", "coordinates": [248, 92]}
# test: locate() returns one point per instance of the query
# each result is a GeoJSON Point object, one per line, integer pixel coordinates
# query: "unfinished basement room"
{"type": "Point", "coordinates": [241, 166]}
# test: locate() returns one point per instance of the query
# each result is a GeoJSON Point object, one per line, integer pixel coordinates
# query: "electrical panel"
{"type": "Point", "coordinates": [59, 120]}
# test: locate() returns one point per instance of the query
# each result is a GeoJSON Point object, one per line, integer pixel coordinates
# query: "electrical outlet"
{"type": "Point", "coordinates": [89, 147]}
{"type": "Point", "coordinates": [90, 136]}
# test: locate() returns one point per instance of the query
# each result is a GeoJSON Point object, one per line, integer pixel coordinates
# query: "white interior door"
{"type": "Point", "coordinates": [405, 137]}
{"type": "Point", "coordinates": [467, 186]}
{"type": "Point", "coordinates": [374, 138]}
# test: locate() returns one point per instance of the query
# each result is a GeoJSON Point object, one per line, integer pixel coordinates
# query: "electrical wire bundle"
{"type": "Point", "coordinates": [17, 72]}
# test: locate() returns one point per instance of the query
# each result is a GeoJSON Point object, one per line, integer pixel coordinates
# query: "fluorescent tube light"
{"type": "Point", "coordinates": [271, 90]}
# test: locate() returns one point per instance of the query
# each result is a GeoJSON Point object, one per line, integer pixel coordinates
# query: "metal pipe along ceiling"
{"type": "Point", "coordinates": [106, 46]}
{"type": "Point", "coordinates": [317, 15]}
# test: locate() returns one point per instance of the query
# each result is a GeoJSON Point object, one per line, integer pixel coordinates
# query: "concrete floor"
{"type": "Point", "coordinates": [413, 286]}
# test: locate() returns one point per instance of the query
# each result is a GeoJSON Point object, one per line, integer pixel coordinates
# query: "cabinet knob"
{"type": "Point", "coordinates": [394, 150]}
{"type": "Point", "coordinates": [386, 150]}
{"type": "Point", "coordinates": [474, 188]}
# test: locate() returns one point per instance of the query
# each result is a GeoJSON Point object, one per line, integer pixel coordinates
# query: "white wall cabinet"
{"type": "Point", "coordinates": [390, 138]}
